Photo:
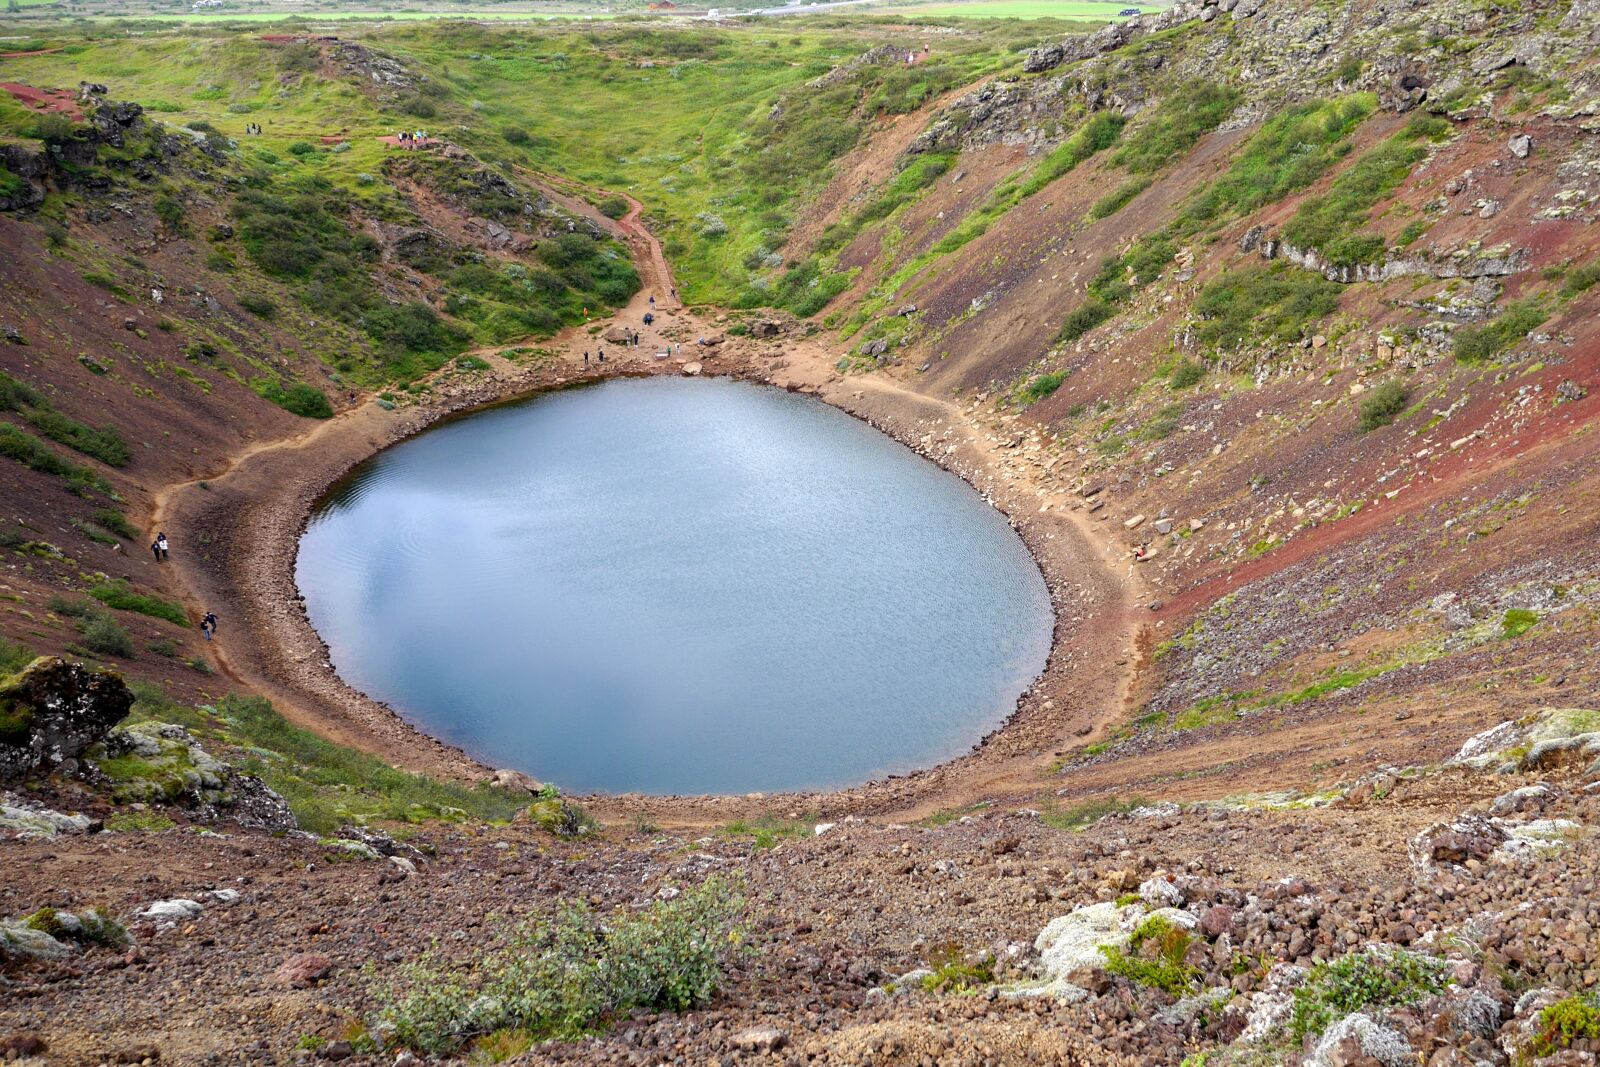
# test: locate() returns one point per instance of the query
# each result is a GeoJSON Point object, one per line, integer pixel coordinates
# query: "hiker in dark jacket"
{"type": "Point", "coordinates": [208, 625]}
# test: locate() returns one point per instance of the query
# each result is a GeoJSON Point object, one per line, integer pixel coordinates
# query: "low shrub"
{"type": "Point", "coordinates": [300, 399]}
{"type": "Point", "coordinates": [1479, 344]}
{"type": "Point", "coordinates": [258, 305]}
{"type": "Point", "coordinates": [1182, 117]}
{"type": "Point", "coordinates": [31, 452]}
{"type": "Point", "coordinates": [1040, 386]}
{"type": "Point", "coordinates": [1185, 374]}
{"type": "Point", "coordinates": [116, 522]}
{"type": "Point", "coordinates": [117, 594]}
{"type": "Point", "coordinates": [1273, 303]}
{"type": "Point", "coordinates": [954, 973]}
{"type": "Point", "coordinates": [1155, 957]}
{"type": "Point", "coordinates": [1381, 406]}
{"type": "Point", "coordinates": [326, 784]}
{"type": "Point", "coordinates": [1376, 978]}
{"type": "Point", "coordinates": [1577, 1018]}
{"type": "Point", "coordinates": [563, 974]}
{"type": "Point", "coordinates": [104, 636]}
{"type": "Point", "coordinates": [613, 207]}
{"type": "Point", "coordinates": [1083, 318]}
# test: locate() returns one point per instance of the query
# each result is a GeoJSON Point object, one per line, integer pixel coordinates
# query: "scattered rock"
{"type": "Point", "coordinates": [303, 971]}
{"type": "Point", "coordinates": [760, 1039]}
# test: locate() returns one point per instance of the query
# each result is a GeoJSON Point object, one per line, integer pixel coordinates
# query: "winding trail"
{"type": "Point", "coordinates": [251, 510]}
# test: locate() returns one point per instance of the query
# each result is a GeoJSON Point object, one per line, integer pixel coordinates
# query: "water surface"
{"type": "Point", "coordinates": [676, 586]}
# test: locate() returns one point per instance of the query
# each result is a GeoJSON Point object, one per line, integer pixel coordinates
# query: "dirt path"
{"type": "Point", "coordinates": [655, 274]}
{"type": "Point", "coordinates": [245, 520]}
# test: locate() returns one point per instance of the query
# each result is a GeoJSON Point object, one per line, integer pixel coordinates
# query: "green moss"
{"type": "Point", "coordinates": [139, 821]}
{"type": "Point", "coordinates": [1085, 814]}
{"type": "Point", "coordinates": [1517, 621]}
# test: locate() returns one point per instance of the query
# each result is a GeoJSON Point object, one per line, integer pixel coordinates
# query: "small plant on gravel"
{"type": "Point", "coordinates": [561, 975]}
{"type": "Point", "coordinates": [1382, 406]}
{"type": "Point", "coordinates": [139, 821]}
{"type": "Point", "coordinates": [1155, 957]}
{"type": "Point", "coordinates": [1517, 621]}
{"type": "Point", "coordinates": [1575, 1019]}
{"type": "Point", "coordinates": [89, 927]}
{"type": "Point", "coordinates": [1084, 815]}
{"type": "Point", "coordinates": [1040, 386]}
{"type": "Point", "coordinates": [767, 830]}
{"type": "Point", "coordinates": [1377, 977]}
{"type": "Point", "coordinates": [954, 972]}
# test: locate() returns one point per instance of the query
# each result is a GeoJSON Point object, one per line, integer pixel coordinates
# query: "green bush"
{"type": "Point", "coordinates": [55, 128]}
{"type": "Point", "coordinates": [1100, 132]}
{"type": "Point", "coordinates": [104, 444]}
{"type": "Point", "coordinates": [1118, 198]}
{"type": "Point", "coordinates": [1185, 374]}
{"type": "Point", "coordinates": [613, 207]}
{"type": "Point", "coordinates": [300, 399]}
{"type": "Point", "coordinates": [1577, 1018]}
{"type": "Point", "coordinates": [105, 636]}
{"type": "Point", "coordinates": [1331, 223]}
{"type": "Point", "coordinates": [563, 974]}
{"type": "Point", "coordinates": [1272, 303]}
{"type": "Point", "coordinates": [1381, 406]}
{"type": "Point", "coordinates": [116, 594]}
{"type": "Point", "coordinates": [1155, 957]}
{"type": "Point", "coordinates": [258, 305]}
{"type": "Point", "coordinates": [1375, 978]}
{"type": "Point", "coordinates": [116, 522]}
{"type": "Point", "coordinates": [1479, 344]}
{"type": "Point", "coordinates": [1083, 318]}
{"type": "Point", "coordinates": [326, 784]}
{"type": "Point", "coordinates": [1040, 386]}
{"type": "Point", "coordinates": [1290, 151]}
{"type": "Point", "coordinates": [515, 135]}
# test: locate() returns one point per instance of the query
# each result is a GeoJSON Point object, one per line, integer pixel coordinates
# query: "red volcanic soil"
{"type": "Point", "coordinates": [44, 100]}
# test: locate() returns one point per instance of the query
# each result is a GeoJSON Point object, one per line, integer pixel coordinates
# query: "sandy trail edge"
{"type": "Point", "coordinates": [244, 521]}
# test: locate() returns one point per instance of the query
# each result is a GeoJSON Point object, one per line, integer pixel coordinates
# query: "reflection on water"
{"type": "Point", "coordinates": [674, 586]}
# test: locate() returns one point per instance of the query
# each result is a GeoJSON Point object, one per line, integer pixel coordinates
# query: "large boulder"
{"type": "Point", "coordinates": [51, 711]}
{"type": "Point", "coordinates": [162, 763]}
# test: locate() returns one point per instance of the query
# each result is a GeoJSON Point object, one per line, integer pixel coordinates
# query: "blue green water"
{"type": "Point", "coordinates": [676, 586]}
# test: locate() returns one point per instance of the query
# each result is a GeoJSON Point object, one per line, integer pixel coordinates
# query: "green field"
{"type": "Point", "coordinates": [310, 18]}
{"type": "Point", "coordinates": [1092, 10]}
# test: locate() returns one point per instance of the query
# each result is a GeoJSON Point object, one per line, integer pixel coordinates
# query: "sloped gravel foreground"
{"type": "Point", "coordinates": [1445, 916]}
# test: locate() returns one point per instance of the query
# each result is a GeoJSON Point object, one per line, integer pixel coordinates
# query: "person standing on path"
{"type": "Point", "coordinates": [155, 548]}
{"type": "Point", "coordinates": [208, 625]}
{"type": "Point", "coordinates": [161, 544]}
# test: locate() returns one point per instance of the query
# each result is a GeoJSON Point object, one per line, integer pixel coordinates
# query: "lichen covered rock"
{"type": "Point", "coordinates": [51, 710]}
